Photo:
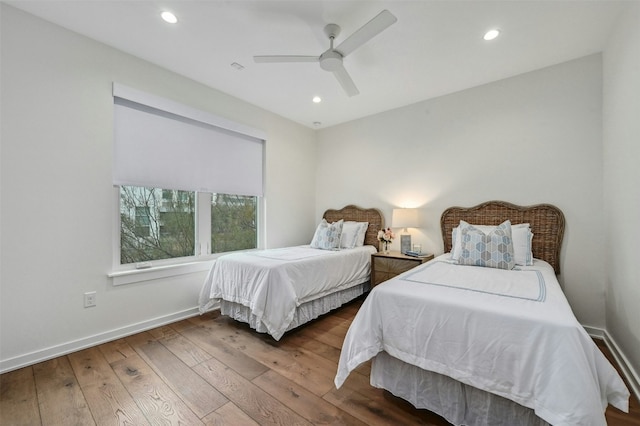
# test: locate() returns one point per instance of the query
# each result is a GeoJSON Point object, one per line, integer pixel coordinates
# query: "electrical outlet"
{"type": "Point", "coordinates": [90, 299]}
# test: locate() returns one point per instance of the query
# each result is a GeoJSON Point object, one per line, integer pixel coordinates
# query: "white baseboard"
{"type": "Point", "coordinates": [76, 345]}
{"type": "Point", "coordinates": [632, 376]}
{"type": "Point", "coordinates": [596, 333]}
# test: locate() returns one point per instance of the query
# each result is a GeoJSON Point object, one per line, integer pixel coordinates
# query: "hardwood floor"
{"type": "Point", "coordinates": [214, 371]}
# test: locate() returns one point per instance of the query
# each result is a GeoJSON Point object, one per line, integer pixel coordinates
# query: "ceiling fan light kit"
{"type": "Point", "coordinates": [331, 60]}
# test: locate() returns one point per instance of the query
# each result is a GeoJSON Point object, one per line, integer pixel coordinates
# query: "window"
{"type": "Point", "coordinates": [154, 226]}
{"type": "Point", "coordinates": [233, 223]}
{"type": "Point", "coordinates": [158, 224]}
{"type": "Point", "coordinates": [200, 192]}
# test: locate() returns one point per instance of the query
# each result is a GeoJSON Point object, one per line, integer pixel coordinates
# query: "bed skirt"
{"type": "Point", "coordinates": [304, 313]}
{"type": "Point", "coordinates": [458, 403]}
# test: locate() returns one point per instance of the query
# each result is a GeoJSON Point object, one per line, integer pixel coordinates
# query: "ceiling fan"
{"type": "Point", "coordinates": [331, 59]}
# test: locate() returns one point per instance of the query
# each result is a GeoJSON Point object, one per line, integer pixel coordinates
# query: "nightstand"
{"type": "Point", "coordinates": [386, 266]}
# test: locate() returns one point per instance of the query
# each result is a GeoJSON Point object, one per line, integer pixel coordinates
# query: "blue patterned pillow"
{"type": "Point", "coordinates": [494, 250]}
{"type": "Point", "coordinates": [327, 236]}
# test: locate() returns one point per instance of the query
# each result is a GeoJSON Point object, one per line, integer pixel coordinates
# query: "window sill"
{"type": "Point", "coordinates": [157, 272]}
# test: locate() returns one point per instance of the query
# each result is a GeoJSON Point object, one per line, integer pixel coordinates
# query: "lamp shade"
{"type": "Point", "coordinates": [405, 218]}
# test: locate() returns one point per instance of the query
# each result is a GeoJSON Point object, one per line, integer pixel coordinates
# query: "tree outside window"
{"type": "Point", "coordinates": [233, 223]}
{"type": "Point", "coordinates": [156, 224]}
{"type": "Point", "coordinates": [160, 224]}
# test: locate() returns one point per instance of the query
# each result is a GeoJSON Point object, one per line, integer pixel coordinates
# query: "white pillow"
{"type": "Point", "coordinates": [364, 226]}
{"type": "Point", "coordinates": [349, 235]}
{"type": "Point", "coordinates": [327, 236]}
{"type": "Point", "coordinates": [353, 234]}
{"type": "Point", "coordinates": [522, 253]}
{"type": "Point", "coordinates": [520, 234]}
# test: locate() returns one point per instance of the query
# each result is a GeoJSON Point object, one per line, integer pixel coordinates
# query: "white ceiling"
{"type": "Point", "coordinates": [434, 48]}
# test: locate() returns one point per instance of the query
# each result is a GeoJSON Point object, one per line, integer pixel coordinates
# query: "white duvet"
{"type": "Point", "coordinates": [511, 333]}
{"type": "Point", "coordinates": [273, 283]}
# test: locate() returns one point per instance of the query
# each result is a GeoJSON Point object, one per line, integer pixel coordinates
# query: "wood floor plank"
{"type": "Point", "coordinates": [109, 401]}
{"type": "Point", "coordinates": [303, 341]}
{"type": "Point", "coordinates": [259, 405]}
{"type": "Point", "coordinates": [369, 410]}
{"type": "Point", "coordinates": [182, 325]}
{"type": "Point", "coordinates": [139, 339]}
{"type": "Point", "coordinates": [60, 399]}
{"type": "Point", "coordinates": [364, 368]}
{"type": "Point", "coordinates": [155, 398]}
{"type": "Point", "coordinates": [18, 398]}
{"type": "Point", "coordinates": [116, 350]}
{"type": "Point", "coordinates": [319, 364]}
{"type": "Point", "coordinates": [199, 395]}
{"type": "Point", "coordinates": [163, 332]}
{"type": "Point", "coordinates": [188, 352]}
{"type": "Point", "coordinates": [326, 338]}
{"type": "Point", "coordinates": [358, 382]}
{"type": "Point", "coordinates": [230, 356]}
{"type": "Point", "coordinates": [303, 402]}
{"type": "Point", "coordinates": [330, 324]}
{"type": "Point", "coordinates": [378, 398]}
{"type": "Point", "coordinates": [298, 369]}
{"type": "Point", "coordinates": [204, 318]}
{"type": "Point", "coordinates": [228, 415]}
{"type": "Point", "coordinates": [324, 365]}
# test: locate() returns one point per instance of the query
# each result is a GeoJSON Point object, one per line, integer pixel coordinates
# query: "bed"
{"type": "Point", "coordinates": [277, 290]}
{"type": "Point", "coordinates": [483, 345]}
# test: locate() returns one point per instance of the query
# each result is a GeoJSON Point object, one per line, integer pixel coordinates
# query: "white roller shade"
{"type": "Point", "coordinates": [159, 143]}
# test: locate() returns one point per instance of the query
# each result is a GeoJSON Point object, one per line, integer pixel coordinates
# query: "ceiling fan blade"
{"type": "Point", "coordinates": [346, 82]}
{"type": "Point", "coordinates": [285, 58]}
{"type": "Point", "coordinates": [369, 30]}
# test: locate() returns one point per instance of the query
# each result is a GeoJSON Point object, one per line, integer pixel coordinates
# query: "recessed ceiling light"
{"type": "Point", "coordinates": [491, 34]}
{"type": "Point", "coordinates": [317, 123]}
{"type": "Point", "coordinates": [169, 17]}
{"type": "Point", "coordinates": [317, 99]}
{"type": "Point", "coordinates": [237, 66]}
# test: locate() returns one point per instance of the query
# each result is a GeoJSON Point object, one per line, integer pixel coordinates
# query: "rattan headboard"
{"type": "Point", "coordinates": [547, 225]}
{"type": "Point", "coordinates": [351, 212]}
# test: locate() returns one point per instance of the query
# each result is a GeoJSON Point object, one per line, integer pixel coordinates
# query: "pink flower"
{"type": "Point", "coordinates": [386, 235]}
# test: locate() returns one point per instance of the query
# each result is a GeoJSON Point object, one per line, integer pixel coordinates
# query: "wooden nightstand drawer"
{"type": "Point", "coordinates": [387, 266]}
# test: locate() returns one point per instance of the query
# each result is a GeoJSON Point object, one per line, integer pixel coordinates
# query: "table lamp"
{"type": "Point", "coordinates": [405, 218]}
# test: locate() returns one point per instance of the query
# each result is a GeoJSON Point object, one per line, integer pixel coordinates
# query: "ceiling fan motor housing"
{"type": "Point", "coordinates": [331, 60]}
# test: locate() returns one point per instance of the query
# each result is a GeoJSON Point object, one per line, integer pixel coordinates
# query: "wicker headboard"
{"type": "Point", "coordinates": [547, 225]}
{"type": "Point", "coordinates": [351, 212]}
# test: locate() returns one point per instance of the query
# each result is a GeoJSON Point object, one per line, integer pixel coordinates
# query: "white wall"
{"type": "Point", "coordinates": [534, 138]}
{"type": "Point", "coordinates": [622, 185]}
{"type": "Point", "coordinates": [58, 201]}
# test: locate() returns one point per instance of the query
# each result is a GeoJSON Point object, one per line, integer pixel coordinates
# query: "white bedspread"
{"type": "Point", "coordinates": [273, 283]}
{"type": "Point", "coordinates": [523, 346]}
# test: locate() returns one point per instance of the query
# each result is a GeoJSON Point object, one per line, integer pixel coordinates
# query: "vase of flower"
{"type": "Point", "coordinates": [385, 236]}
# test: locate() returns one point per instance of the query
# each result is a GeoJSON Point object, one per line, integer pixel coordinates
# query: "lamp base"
{"type": "Point", "coordinates": [405, 243]}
